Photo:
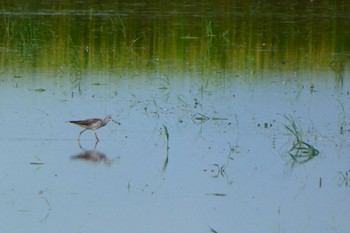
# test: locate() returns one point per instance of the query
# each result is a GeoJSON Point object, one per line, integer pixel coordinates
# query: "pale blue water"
{"type": "Point", "coordinates": [256, 190]}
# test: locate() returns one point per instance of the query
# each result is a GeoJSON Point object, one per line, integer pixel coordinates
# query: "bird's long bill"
{"type": "Point", "coordinates": [116, 122]}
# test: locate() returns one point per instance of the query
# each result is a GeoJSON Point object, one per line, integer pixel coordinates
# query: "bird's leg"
{"type": "Point", "coordinates": [80, 146]}
{"type": "Point", "coordinates": [95, 145]}
{"type": "Point", "coordinates": [81, 133]}
{"type": "Point", "coordinates": [97, 139]}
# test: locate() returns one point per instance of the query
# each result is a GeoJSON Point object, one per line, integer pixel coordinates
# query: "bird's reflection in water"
{"type": "Point", "coordinates": [93, 156]}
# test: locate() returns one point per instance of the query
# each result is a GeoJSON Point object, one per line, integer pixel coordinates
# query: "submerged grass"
{"type": "Point", "coordinates": [300, 151]}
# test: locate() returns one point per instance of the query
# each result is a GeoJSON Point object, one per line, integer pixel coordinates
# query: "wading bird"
{"type": "Point", "coordinates": [93, 124]}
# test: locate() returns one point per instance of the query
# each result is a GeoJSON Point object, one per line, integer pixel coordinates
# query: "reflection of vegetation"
{"type": "Point", "coordinates": [165, 83]}
{"type": "Point", "coordinates": [342, 122]}
{"type": "Point", "coordinates": [217, 194]}
{"type": "Point", "coordinates": [121, 25]}
{"type": "Point", "coordinates": [209, 28]}
{"type": "Point", "coordinates": [38, 162]}
{"type": "Point", "coordinates": [97, 36]}
{"type": "Point", "coordinates": [219, 170]}
{"type": "Point", "coordinates": [345, 178]}
{"type": "Point", "coordinates": [338, 66]}
{"type": "Point", "coordinates": [201, 118]}
{"type": "Point", "coordinates": [300, 151]}
{"type": "Point", "coordinates": [46, 200]}
{"type": "Point", "coordinates": [40, 90]}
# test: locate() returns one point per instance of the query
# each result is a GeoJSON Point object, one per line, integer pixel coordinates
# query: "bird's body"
{"type": "Point", "coordinates": [93, 124]}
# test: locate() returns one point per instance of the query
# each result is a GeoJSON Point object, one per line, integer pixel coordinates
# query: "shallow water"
{"type": "Point", "coordinates": [203, 144]}
{"type": "Point", "coordinates": [227, 166]}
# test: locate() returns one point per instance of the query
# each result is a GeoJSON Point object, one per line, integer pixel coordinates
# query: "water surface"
{"type": "Point", "coordinates": [203, 144]}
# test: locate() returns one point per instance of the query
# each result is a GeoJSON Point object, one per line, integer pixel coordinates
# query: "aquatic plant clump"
{"type": "Point", "coordinates": [300, 151]}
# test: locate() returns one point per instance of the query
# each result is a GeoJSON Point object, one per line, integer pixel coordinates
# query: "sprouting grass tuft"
{"type": "Point", "coordinates": [198, 117]}
{"type": "Point", "coordinates": [342, 121]}
{"type": "Point", "coordinates": [345, 178]}
{"type": "Point", "coordinates": [212, 230]}
{"type": "Point", "coordinates": [166, 134]}
{"type": "Point", "coordinates": [300, 151]}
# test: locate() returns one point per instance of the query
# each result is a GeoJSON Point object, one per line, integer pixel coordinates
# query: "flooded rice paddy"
{"type": "Point", "coordinates": [217, 134]}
